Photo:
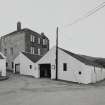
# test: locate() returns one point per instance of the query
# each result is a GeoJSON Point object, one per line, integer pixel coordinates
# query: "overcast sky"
{"type": "Point", "coordinates": [86, 37]}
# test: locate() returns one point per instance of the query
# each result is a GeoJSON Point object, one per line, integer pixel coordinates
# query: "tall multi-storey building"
{"type": "Point", "coordinates": [22, 40]}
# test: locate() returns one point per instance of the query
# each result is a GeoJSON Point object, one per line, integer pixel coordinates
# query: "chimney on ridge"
{"type": "Point", "coordinates": [18, 26]}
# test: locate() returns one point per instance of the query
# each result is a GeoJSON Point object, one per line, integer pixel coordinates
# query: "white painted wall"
{"type": "Point", "coordinates": [49, 57]}
{"type": "Point", "coordinates": [97, 74]}
{"type": "Point", "coordinates": [3, 67]}
{"type": "Point", "coordinates": [25, 65]}
{"type": "Point", "coordinates": [74, 66]}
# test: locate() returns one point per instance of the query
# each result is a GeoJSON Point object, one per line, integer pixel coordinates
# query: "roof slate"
{"type": "Point", "coordinates": [24, 30]}
{"type": "Point", "coordinates": [94, 61]}
{"type": "Point", "coordinates": [1, 57]}
{"type": "Point", "coordinates": [34, 58]}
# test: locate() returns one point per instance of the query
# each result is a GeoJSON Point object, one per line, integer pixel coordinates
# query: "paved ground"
{"type": "Point", "coordinates": [23, 90]}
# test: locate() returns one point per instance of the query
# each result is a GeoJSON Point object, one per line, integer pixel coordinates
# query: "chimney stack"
{"type": "Point", "coordinates": [42, 33]}
{"type": "Point", "coordinates": [18, 26]}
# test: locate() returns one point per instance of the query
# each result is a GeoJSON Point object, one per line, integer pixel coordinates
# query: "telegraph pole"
{"type": "Point", "coordinates": [57, 53]}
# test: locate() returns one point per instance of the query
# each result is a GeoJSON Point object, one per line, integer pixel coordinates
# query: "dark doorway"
{"type": "Point", "coordinates": [45, 70]}
{"type": "Point", "coordinates": [17, 68]}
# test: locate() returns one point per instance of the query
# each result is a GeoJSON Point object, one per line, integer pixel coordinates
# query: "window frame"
{"type": "Point", "coordinates": [39, 40]}
{"type": "Point", "coordinates": [64, 66]}
{"type": "Point", "coordinates": [39, 51]}
{"type": "Point", "coordinates": [5, 51]}
{"type": "Point", "coordinates": [30, 66]}
{"type": "Point", "coordinates": [11, 51]}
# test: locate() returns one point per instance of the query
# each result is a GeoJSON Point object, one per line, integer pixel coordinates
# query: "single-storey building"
{"type": "Point", "coordinates": [2, 65]}
{"type": "Point", "coordinates": [71, 67]}
{"type": "Point", "coordinates": [24, 64]}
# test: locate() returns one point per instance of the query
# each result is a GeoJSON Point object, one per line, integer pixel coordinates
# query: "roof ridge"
{"type": "Point", "coordinates": [82, 59]}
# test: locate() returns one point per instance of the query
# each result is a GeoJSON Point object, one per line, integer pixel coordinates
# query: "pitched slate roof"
{"type": "Point", "coordinates": [1, 57]}
{"type": "Point", "coordinates": [34, 58]}
{"type": "Point", "coordinates": [24, 30]}
{"type": "Point", "coordinates": [94, 61]}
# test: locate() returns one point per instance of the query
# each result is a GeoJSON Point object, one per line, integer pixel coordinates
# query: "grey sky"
{"type": "Point", "coordinates": [86, 37]}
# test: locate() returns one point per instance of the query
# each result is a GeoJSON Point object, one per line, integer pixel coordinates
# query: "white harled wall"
{"type": "Point", "coordinates": [97, 74]}
{"type": "Point", "coordinates": [49, 57]}
{"type": "Point", "coordinates": [74, 66]}
{"type": "Point", "coordinates": [25, 65]}
{"type": "Point", "coordinates": [3, 67]}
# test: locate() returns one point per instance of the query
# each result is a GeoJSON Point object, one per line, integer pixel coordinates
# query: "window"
{"type": "Point", "coordinates": [38, 51]}
{"type": "Point", "coordinates": [44, 41]}
{"type": "Point", "coordinates": [32, 38]}
{"type": "Point", "coordinates": [5, 52]}
{"type": "Point", "coordinates": [38, 40]}
{"type": "Point", "coordinates": [11, 51]}
{"type": "Point", "coordinates": [6, 64]}
{"type": "Point", "coordinates": [65, 67]}
{"type": "Point", "coordinates": [32, 50]}
{"type": "Point", "coordinates": [30, 66]}
{"type": "Point", "coordinates": [80, 72]}
{"type": "Point", "coordinates": [12, 65]}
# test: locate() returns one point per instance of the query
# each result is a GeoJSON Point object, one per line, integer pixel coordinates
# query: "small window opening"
{"type": "Point", "coordinates": [80, 72]}
{"type": "Point", "coordinates": [30, 66]}
{"type": "Point", "coordinates": [65, 67]}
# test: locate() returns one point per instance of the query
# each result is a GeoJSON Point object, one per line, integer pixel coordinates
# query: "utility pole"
{"type": "Point", "coordinates": [57, 53]}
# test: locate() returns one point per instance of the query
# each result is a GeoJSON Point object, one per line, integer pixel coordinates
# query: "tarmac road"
{"type": "Point", "coordinates": [23, 90]}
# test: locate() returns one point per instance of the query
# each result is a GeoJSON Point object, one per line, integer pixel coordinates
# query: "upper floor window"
{"type": "Point", "coordinates": [5, 52]}
{"type": "Point", "coordinates": [64, 66]}
{"type": "Point", "coordinates": [38, 40]}
{"type": "Point", "coordinates": [32, 50]}
{"type": "Point", "coordinates": [38, 51]}
{"type": "Point", "coordinates": [44, 42]}
{"type": "Point", "coordinates": [11, 51]}
{"type": "Point", "coordinates": [32, 38]}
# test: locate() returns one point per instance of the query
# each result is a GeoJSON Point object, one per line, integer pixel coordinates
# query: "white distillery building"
{"type": "Point", "coordinates": [24, 64]}
{"type": "Point", "coordinates": [71, 67]}
{"type": "Point", "coordinates": [2, 65]}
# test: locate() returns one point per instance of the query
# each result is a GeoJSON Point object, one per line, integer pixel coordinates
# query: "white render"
{"type": "Point", "coordinates": [3, 65]}
{"type": "Point", "coordinates": [25, 65]}
{"type": "Point", "coordinates": [49, 57]}
{"type": "Point", "coordinates": [74, 66]}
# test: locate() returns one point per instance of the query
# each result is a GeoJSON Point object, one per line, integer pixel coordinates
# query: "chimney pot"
{"type": "Point", "coordinates": [18, 26]}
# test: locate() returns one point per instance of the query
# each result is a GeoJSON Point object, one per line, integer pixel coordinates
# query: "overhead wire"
{"type": "Point", "coordinates": [91, 12]}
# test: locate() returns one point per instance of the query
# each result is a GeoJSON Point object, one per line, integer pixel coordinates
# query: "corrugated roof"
{"type": "Point", "coordinates": [85, 59]}
{"type": "Point", "coordinates": [34, 58]}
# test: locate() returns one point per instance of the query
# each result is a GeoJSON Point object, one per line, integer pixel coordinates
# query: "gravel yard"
{"type": "Point", "coordinates": [23, 90]}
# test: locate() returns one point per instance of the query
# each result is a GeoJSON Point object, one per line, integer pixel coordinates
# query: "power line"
{"type": "Point", "coordinates": [91, 12]}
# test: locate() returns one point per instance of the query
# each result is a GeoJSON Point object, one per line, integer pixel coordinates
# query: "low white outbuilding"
{"type": "Point", "coordinates": [2, 65]}
{"type": "Point", "coordinates": [24, 64]}
{"type": "Point", "coordinates": [71, 67]}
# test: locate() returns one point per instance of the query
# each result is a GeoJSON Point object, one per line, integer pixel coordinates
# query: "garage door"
{"type": "Point", "coordinates": [45, 70]}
